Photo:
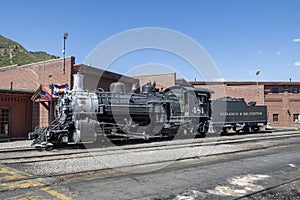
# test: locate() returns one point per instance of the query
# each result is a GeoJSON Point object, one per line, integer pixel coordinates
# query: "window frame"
{"type": "Point", "coordinates": [275, 118]}
{"type": "Point", "coordinates": [295, 117]}
{"type": "Point", "coordinates": [4, 121]}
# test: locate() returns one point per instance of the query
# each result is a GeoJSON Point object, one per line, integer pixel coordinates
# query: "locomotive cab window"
{"type": "Point", "coordinates": [202, 99]}
{"type": "Point", "coordinates": [4, 121]}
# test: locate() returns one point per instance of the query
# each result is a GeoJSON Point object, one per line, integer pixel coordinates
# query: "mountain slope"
{"type": "Point", "coordinates": [12, 53]}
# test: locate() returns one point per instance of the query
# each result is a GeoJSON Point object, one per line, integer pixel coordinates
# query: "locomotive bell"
{"type": "Point", "coordinates": [147, 88]}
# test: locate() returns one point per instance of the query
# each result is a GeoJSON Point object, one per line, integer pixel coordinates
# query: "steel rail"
{"type": "Point", "coordinates": [67, 154]}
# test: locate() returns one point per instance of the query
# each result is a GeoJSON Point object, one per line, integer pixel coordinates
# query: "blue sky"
{"type": "Point", "coordinates": [240, 36]}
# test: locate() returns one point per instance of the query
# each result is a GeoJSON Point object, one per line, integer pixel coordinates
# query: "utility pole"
{"type": "Point", "coordinates": [257, 73]}
{"type": "Point", "coordinates": [64, 52]}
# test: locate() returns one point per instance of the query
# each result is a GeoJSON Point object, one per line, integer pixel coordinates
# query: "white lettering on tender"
{"type": "Point", "coordinates": [241, 113]}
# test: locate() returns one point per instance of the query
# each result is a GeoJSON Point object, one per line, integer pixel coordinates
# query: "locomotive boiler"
{"type": "Point", "coordinates": [82, 115]}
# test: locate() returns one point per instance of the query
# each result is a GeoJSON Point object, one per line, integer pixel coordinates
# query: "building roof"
{"type": "Point", "coordinates": [82, 68]}
{"type": "Point", "coordinates": [182, 82]}
{"type": "Point", "coordinates": [32, 64]}
{"type": "Point", "coordinates": [233, 83]}
{"type": "Point", "coordinates": [17, 91]}
{"type": "Point", "coordinates": [189, 89]}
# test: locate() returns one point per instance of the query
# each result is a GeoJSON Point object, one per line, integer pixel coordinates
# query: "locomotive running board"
{"type": "Point", "coordinates": [135, 135]}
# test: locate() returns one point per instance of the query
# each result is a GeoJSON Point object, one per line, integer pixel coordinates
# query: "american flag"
{"type": "Point", "coordinates": [45, 95]}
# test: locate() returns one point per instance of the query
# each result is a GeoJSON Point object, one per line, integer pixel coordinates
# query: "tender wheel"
{"type": "Point", "coordinates": [217, 130]}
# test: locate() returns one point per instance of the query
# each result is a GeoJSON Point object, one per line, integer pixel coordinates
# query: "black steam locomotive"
{"type": "Point", "coordinates": [83, 116]}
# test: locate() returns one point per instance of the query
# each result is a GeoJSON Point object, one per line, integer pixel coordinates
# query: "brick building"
{"type": "Point", "coordinates": [22, 109]}
{"type": "Point", "coordinates": [32, 76]}
{"type": "Point", "coordinates": [98, 78]}
{"type": "Point", "coordinates": [281, 98]}
{"type": "Point", "coordinates": [36, 76]}
{"type": "Point", "coordinates": [15, 113]}
{"type": "Point", "coordinates": [162, 80]}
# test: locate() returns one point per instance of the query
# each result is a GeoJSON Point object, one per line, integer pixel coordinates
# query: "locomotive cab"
{"type": "Point", "coordinates": [194, 109]}
{"type": "Point", "coordinates": [194, 102]}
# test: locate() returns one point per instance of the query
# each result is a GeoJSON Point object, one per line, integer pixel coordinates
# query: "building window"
{"type": "Point", "coordinates": [295, 90]}
{"type": "Point", "coordinates": [275, 117]}
{"type": "Point", "coordinates": [296, 117]}
{"type": "Point", "coordinates": [275, 90]}
{"type": "Point", "coordinates": [4, 121]}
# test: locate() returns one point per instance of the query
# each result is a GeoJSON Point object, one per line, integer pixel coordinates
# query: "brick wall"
{"type": "Point", "coordinates": [162, 80]}
{"type": "Point", "coordinates": [284, 103]}
{"type": "Point", "coordinates": [97, 78]}
{"type": "Point", "coordinates": [248, 91]}
{"type": "Point", "coordinates": [20, 113]}
{"type": "Point", "coordinates": [31, 76]}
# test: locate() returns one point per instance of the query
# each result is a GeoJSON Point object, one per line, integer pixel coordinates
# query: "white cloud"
{"type": "Point", "coordinates": [296, 40]}
{"type": "Point", "coordinates": [278, 53]}
{"type": "Point", "coordinates": [259, 52]}
{"type": "Point", "coordinates": [297, 63]}
{"type": "Point", "coordinates": [219, 79]}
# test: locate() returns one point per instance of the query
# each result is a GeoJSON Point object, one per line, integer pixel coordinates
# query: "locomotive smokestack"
{"type": "Point", "coordinates": [78, 82]}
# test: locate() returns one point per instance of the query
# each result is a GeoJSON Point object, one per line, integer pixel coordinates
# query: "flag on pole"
{"type": "Point", "coordinates": [60, 89]}
{"type": "Point", "coordinates": [45, 95]}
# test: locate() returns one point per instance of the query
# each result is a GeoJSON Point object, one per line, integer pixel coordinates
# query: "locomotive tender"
{"type": "Point", "coordinates": [236, 115]}
{"type": "Point", "coordinates": [82, 115]}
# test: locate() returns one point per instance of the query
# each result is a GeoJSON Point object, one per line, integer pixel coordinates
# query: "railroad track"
{"type": "Point", "coordinates": [62, 158]}
{"type": "Point", "coordinates": [29, 154]}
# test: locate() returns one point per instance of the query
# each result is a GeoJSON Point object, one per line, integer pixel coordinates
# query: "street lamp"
{"type": "Point", "coordinates": [64, 51]}
{"type": "Point", "coordinates": [257, 73]}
